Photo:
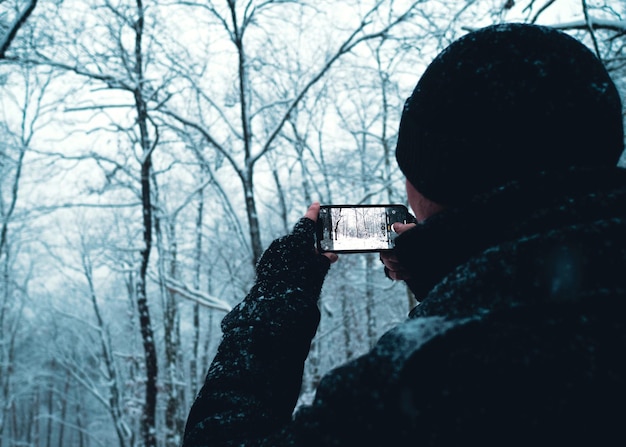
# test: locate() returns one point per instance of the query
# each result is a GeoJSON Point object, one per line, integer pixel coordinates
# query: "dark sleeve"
{"type": "Point", "coordinates": [254, 381]}
{"type": "Point", "coordinates": [362, 403]}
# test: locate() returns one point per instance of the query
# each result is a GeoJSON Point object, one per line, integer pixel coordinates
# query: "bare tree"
{"type": "Point", "coordinates": [114, 404]}
{"type": "Point", "coordinates": [147, 144]}
{"type": "Point", "coordinates": [23, 112]}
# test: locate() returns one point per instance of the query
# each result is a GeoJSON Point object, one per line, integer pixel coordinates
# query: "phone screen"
{"type": "Point", "coordinates": [358, 228]}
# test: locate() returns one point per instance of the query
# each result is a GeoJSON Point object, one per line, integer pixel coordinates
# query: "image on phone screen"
{"type": "Point", "coordinates": [350, 228]}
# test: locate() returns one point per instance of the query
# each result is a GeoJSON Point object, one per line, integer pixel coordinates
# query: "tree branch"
{"type": "Point", "coordinates": [348, 45]}
{"type": "Point", "coordinates": [196, 296]}
{"type": "Point", "coordinates": [19, 21]}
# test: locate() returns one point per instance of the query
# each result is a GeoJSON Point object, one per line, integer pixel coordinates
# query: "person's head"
{"type": "Point", "coordinates": [502, 103]}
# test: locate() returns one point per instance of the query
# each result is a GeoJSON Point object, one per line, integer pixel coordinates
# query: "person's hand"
{"type": "Point", "coordinates": [312, 214]}
{"type": "Point", "coordinates": [393, 268]}
{"type": "Point", "coordinates": [293, 258]}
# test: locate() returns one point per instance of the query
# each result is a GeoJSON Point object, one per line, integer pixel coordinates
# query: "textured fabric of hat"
{"type": "Point", "coordinates": [503, 102]}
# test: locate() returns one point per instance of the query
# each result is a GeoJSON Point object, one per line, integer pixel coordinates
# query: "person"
{"type": "Point", "coordinates": [509, 144]}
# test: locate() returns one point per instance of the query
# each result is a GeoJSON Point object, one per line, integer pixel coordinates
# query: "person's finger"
{"type": "Point", "coordinates": [313, 211]}
{"type": "Point", "coordinates": [400, 228]}
{"type": "Point", "coordinates": [397, 275]}
{"type": "Point", "coordinates": [390, 260]}
{"type": "Point", "coordinates": [393, 268]}
{"type": "Point", "coordinates": [332, 257]}
{"type": "Point", "coordinates": [388, 256]}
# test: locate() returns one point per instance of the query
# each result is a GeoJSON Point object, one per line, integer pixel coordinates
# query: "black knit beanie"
{"type": "Point", "coordinates": [504, 102]}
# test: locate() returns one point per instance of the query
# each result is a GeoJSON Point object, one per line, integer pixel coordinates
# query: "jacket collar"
{"type": "Point", "coordinates": [521, 209]}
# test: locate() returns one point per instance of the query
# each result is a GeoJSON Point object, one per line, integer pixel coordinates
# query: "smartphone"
{"type": "Point", "coordinates": [359, 228]}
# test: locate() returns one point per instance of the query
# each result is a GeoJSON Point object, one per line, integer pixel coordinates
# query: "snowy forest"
{"type": "Point", "coordinates": [151, 150]}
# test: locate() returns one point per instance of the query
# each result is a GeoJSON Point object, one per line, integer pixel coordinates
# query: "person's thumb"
{"type": "Point", "coordinates": [400, 228]}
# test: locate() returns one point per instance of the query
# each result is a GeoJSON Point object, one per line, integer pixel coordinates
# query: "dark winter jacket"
{"type": "Point", "coordinates": [520, 337]}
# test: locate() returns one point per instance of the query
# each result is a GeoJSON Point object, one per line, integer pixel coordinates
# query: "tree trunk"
{"type": "Point", "coordinates": [253, 218]}
{"type": "Point", "coordinates": [173, 422]}
{"type": "Point", "coordinates": [63, 413]}
{"type": "Point", "coordinates": [193, 366]}
{"type": "Point", "coordinates": [114, 404]}
{"type": "Point", "coordinates": [148, 422]}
